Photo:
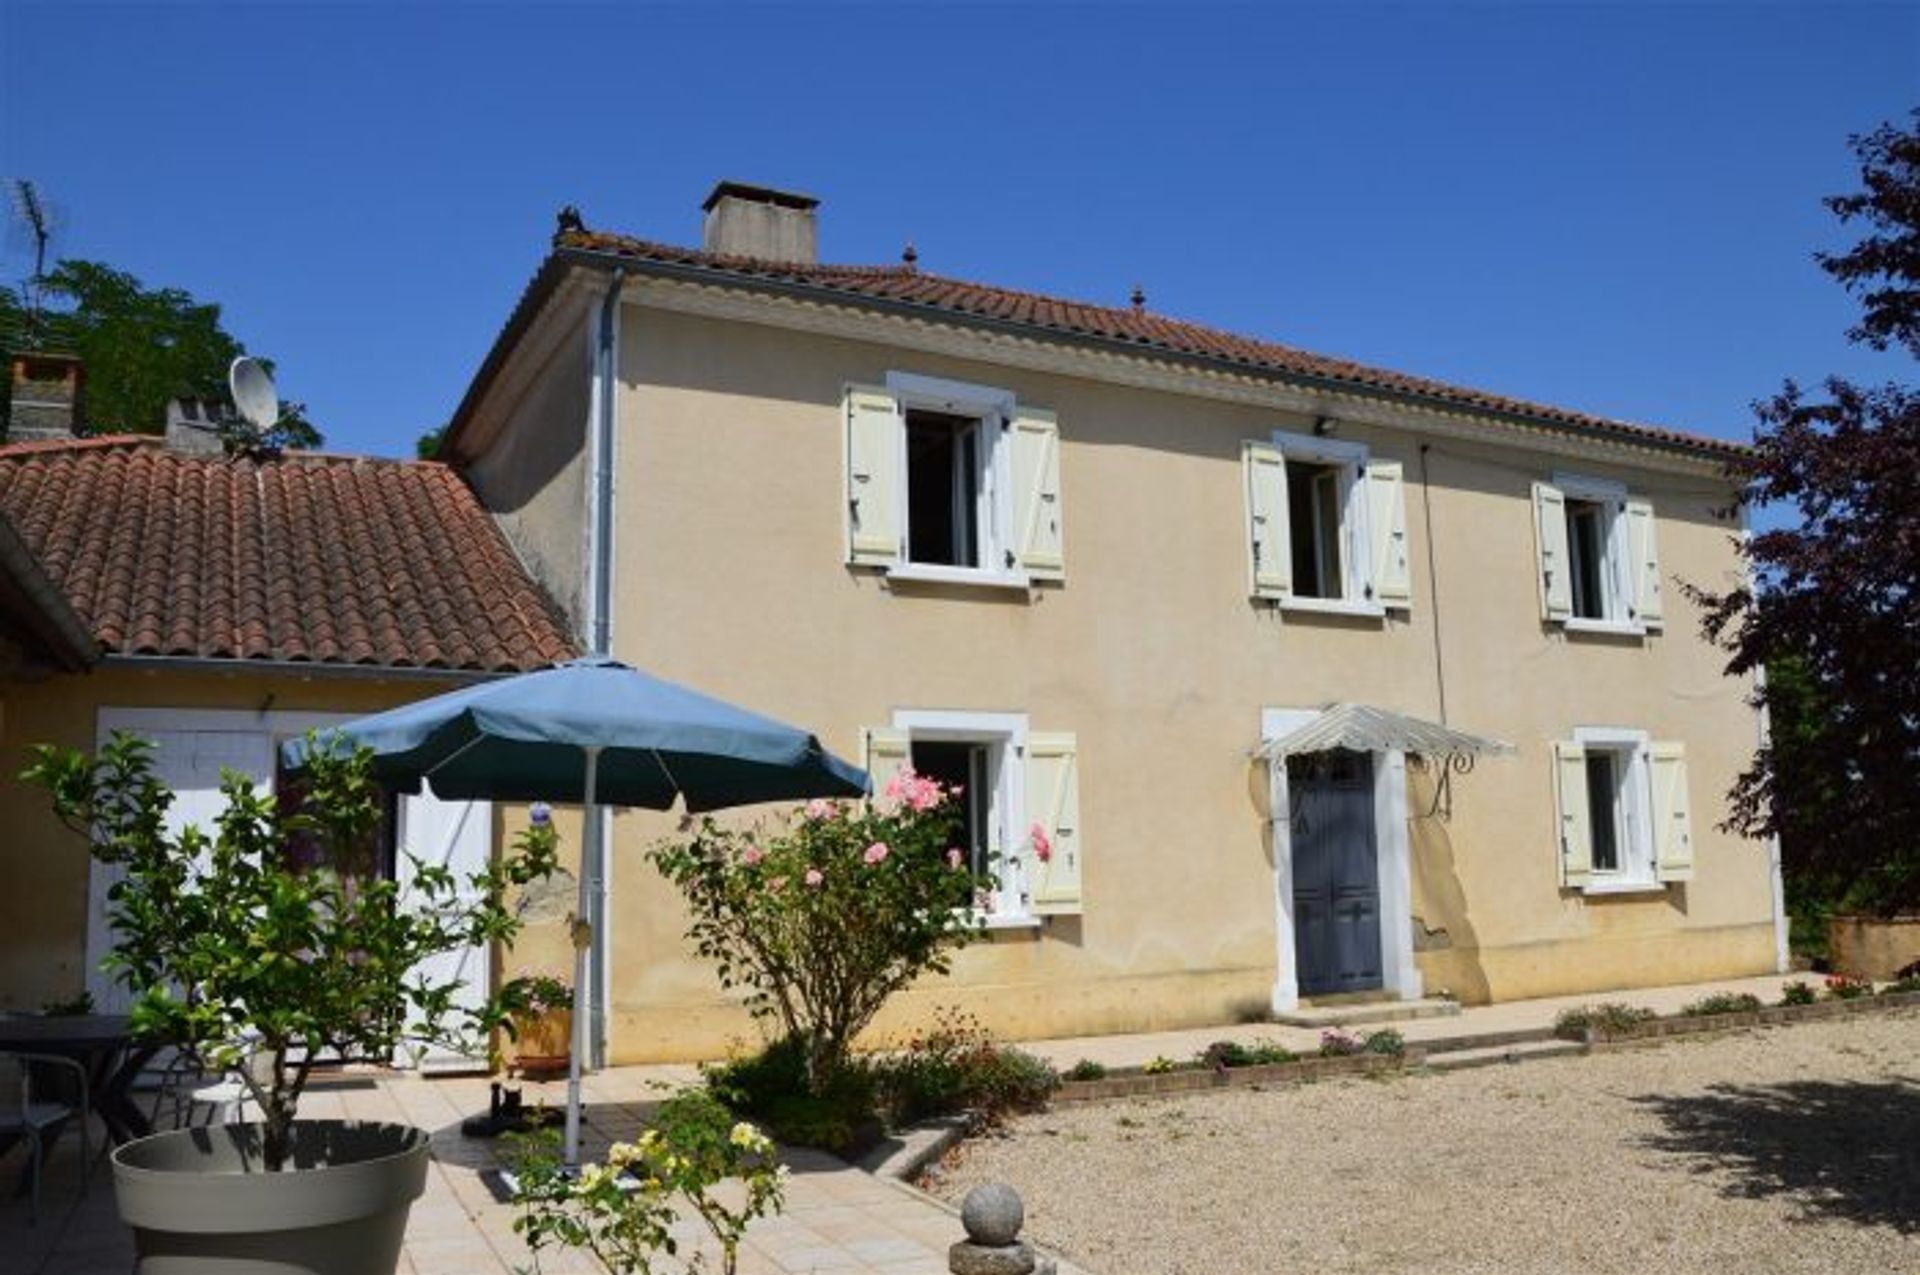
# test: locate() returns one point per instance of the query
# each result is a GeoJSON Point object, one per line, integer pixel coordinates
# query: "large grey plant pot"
{"type": "Point", "coordinates": [200, 1200]}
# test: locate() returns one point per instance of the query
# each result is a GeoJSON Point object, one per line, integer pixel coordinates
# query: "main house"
{"type": "Point", "coordinates": [1314, 678]}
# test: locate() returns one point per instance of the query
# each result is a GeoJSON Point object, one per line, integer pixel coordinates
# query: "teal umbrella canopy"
{"type": "Point", "coordinates": [522, 738]}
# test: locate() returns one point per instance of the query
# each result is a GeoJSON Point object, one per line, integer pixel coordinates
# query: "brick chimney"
{"type": "Point", "coordinates": [760, 222]}
{"type": "Point", "coordinates": [49, 396]}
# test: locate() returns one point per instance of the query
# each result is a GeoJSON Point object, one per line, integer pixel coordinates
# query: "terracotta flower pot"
{"type": "Point", "coordinates": [202, 1200]}
{"type": "Point", "coordinates": [543, 1042]}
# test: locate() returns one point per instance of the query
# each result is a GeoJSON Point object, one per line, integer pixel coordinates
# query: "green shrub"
{"type": "Point", "coordinates": [1222, 1054]}
{"type": "Point", "coordinates": [1609, 1020]}
{"type": "Point", "coordinates": [1385, 1041]}
{"type": "Point", "coordinates": [1905, 983]}
{"type": "Point", "coordinates": [1799, 993]}
{"type": "Point", "coordinates": [1721, 1003]}
{"type": "Point", "coordinates": [1086, 1069]}
{"type": "Point", "coordinates": [1158, 1065]}
{"type": "Point", "coordinates": [771, 1087]}
{"type": "Point", "coordinates": [956, 1066]}
{"type": "Point", "coordinates": [1845, 987]}
{"type": "Point", "coordinates": [1264, 1053]}
{"type": "Point", "coordinates": [1335, 1043]}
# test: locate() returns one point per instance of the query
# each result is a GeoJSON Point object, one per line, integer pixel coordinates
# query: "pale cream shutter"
{"type": "Point", "coordinates": [1270, 555]}
{"type": "Point", "coordinates": [1053, 803]}
{"type": "Point", "coordinates": [887, 753]}
{"type": "Point", "coordinates": [1039, 543]}
{"type": "Point", "coordinates": [1575, 828]}
{"type": "Point", "coordinates": [875, 446]}
{"type": "Point", "coordinates": [1672, 813]}
{"type": "Point", "coordinates": [1392, 577]}
{"type": "Point", "coordinates": [1550, 535]}
{"type": "Point", "coordinates": [1649, 608]}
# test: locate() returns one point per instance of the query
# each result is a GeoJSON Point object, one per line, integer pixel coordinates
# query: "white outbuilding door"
{"type": "Point", "coordinates": [192, 747]}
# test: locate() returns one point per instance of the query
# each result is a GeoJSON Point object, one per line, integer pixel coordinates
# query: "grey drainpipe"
{"type": "Point", "coordinates": [600, 639]}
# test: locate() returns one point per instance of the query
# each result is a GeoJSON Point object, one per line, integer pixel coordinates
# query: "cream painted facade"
{"type": "Point", "coordinates": [730, 574]}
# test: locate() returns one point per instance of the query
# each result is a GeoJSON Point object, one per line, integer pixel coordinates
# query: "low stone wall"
{"type": "Point", "coordinates": [1134, 1084]}
{"type": "Point", "coordinates": [1655, 1030]}
{"type": "Point", "coordinates": [1873, 947]}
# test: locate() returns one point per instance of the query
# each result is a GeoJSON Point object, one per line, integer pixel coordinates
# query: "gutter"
{"type": "Point", "coordinates": [600, 514]}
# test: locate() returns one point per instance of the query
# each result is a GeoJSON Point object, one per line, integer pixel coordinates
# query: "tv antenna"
{"type": "Point", "coordinates": [34, 223]}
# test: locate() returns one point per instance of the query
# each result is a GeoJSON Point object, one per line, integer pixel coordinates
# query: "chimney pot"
{"type": "Point", "coordinates": [743, 220]}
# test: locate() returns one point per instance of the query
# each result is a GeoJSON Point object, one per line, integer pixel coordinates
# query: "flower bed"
{"type": "Point", "coordinates": [1655, 1029]}
{"type": "Point", "coordinates": [1133, 1082]}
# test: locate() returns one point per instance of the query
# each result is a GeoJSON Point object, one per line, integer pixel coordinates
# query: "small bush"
{"type": "Point", "coordinates": [1222, 1054]}
{"type": "Point", "coordinates": [1609, 1020]}
{"type": "Point", "coordinates": [771, 1088]}
{"type": "Point", "coordinates": [955, 1066]}
{"type": "Point", "coordinates": [1905, 983]}
{"type": "Point", "coordinates": [1266, 1052]}
{"type": "Point", "coordinates": [1158, 1066]}
{"type": "Point", "coordinates": [1385, 1041]}
{"type": "Point", "coordinates": [1799, 993]}
{"type": "Point", "coordinates": [1721, 1003]}
{"type": "Point", "coordinates": [1335, 1043]}
{"type": "Point", "coordinates": [1086, 1069]}
{"type": "Point", "coordinates": [1845, 987]}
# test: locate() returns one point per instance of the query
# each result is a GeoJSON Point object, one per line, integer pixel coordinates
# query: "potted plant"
{"type": "Point", "coordinates": [539, 1009]}
{"type": "Point", "coordinates": [272, 941]}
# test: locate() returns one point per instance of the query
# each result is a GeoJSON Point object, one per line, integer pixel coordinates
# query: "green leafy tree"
{"type": "Point", "coordinates": [1833, 608]}
{"type": "Point", "coordinates": [826, 920]}
{"type": "Point", "coordinates": [428, 445]}
{"type": "Point", "coordinates": [141, 347]}
{"type": "Point", "coordinates": [270, 939]}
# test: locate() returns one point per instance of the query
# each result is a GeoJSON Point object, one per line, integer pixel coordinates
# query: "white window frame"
{"type": "Point", "coordinates": [1633, 811]}
{"type": "Point", "coordinates": [1617, 583]}
{"type": "Point", "coordinates": [994, 408]}
{"type": "Point", "coordinates": [1357, 595]}
{"type": "Point", "coordinates": [1007, 818]}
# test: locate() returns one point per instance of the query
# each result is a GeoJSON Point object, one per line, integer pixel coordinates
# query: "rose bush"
{"type": "Point", "coordinates": [829, 914]}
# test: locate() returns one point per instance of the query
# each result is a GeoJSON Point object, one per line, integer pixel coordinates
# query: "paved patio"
{"type": "Point", "coordinates": [838, 1219]}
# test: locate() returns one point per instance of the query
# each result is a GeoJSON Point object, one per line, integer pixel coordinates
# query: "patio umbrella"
{"type": "Point", "coordinates": [597, 732]}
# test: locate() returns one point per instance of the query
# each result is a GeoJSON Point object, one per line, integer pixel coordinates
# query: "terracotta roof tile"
{"type": "Point", "coordinates": [329, 559]}
{"type": "Point", "coordinates": [906, 284]}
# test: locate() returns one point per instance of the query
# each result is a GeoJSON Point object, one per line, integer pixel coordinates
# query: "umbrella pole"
{"type": "Point", "coordinates": [582, 943]}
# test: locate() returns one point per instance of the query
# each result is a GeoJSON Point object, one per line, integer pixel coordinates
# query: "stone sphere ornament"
{"type": "Point", "coordinates": [993, 1215]}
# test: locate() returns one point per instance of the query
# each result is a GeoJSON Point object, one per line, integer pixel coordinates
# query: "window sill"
{"type": "Point", "coordinates": [977, 577]}
{"type": "Point", "coordinates": [1625, 887]}
{"type": "Point", "coordinates": [1610, 628]}
{"type": "Point", "coordinates": [1333, 606]}
{"type": "Point", "coordinates": [1010, 922]}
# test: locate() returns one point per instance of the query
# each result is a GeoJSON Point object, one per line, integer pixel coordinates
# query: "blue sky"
{"type": "Point", "coordinates": [1610, 207]}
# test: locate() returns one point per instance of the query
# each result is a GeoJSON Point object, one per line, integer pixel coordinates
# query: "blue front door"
{"type": "Point", "coordinates": [1336, 879]}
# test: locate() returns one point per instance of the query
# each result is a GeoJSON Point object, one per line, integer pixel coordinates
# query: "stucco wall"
{"type": "Point", "coordinates": [731, 579]}
{"type": "Point", "coordinates": [43, 907]}
{"type": "Point", "coordinates": [533, 478]}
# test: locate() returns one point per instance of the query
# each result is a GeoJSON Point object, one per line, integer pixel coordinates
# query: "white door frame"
{"type": "Point", "coordinates": [1393, 862]}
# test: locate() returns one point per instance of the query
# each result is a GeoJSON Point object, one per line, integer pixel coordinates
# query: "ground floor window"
{"type": "Point", "coordinates": [982, 755]}
{"type": "Point", "coordinates": [1610, 828]}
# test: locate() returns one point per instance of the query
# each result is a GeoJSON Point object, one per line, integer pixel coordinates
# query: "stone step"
{"type": "Point", "coordinates": [1356, 1013]}
{"type": "Point", "coordinates": [1493, 1055]}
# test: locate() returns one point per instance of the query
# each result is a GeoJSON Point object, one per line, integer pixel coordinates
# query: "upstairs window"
{"type": "Point", "coordinates": [951, 482]}
{"type": "Point", "coordinates": [1598, 563]}
{"type": "Point", "coordinates": [1326, 526]}
{"type": "Point", "coordinates": [946, 457]}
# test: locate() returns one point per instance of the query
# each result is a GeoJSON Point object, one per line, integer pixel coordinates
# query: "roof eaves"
{"type": "Point", "coordinates": [773, 282]}
{"type": "Point", "coordinates": [46, 609]}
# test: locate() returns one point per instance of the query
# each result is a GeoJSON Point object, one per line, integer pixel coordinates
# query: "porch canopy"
{"type": "Point", "coordinates": [1363, 728]}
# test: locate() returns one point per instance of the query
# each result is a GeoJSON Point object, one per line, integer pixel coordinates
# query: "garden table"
{"type": "Point", "coordinates": [101, 1043]}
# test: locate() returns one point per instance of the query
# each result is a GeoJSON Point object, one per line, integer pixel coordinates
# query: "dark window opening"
{"type": "Point", "coordinates": [1313, 525]}
{"type": "Point", "coordinates": [1587, 544]}
{"type": "Point", "coordinates": [966, 765]}
{"type": "Point", "coordinates": [374, 857]}
{"type": "Point", "coordinates": [943, 489]}
{"type": "Point", "coordinates": [1603, 799]}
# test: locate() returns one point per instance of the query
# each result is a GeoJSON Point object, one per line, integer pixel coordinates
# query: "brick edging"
{"type": "Point", "coordinates": [1766, 1016]}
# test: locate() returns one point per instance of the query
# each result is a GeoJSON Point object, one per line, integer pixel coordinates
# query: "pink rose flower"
{"type": "Point", "coordinates": [777, 883]}
{"type": "Point", "coordinates": [753, 856]}
{"type": "Point", "coordinates": [814, 876]}
{"type": "Point", "coordinates": [954, 857]}
{"type": "Point", "coordinates": [876, 853]}
{"type": "Point", "coordinates": [819, 808]}
{"type": "Point", "coordinates": [1042, 844]}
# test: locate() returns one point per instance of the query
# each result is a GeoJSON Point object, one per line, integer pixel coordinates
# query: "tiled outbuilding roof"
{"type": "Point", "coordinates": [908, 286]}
{"type": "Point", "coordinates": [303, 558]}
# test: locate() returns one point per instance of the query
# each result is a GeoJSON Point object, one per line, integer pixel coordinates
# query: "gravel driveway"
{"type": "Point", "coordinates": [1794, 1149]}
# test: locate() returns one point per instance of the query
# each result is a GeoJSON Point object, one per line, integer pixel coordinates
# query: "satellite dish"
{"type": "Point", "coordinates": [253, 393]}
